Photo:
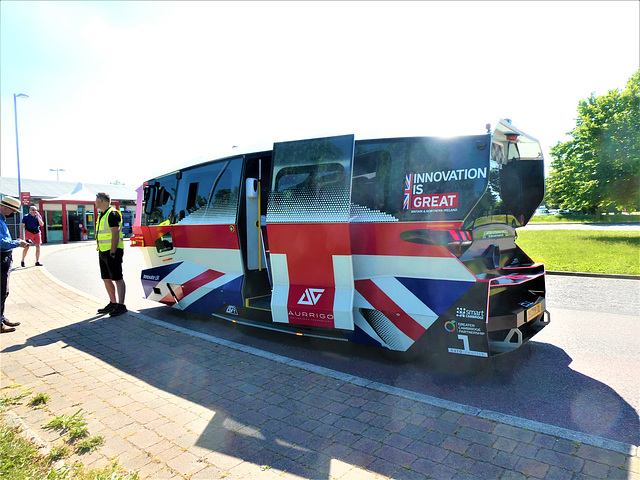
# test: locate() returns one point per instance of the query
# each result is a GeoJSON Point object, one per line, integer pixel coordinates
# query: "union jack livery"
{"type": "Point", "coordinates": [318, 237]}
{"type": "Point", "coordinates": [408, 185]}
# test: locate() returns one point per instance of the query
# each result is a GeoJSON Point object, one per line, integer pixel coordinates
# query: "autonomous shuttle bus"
{"type": "Point", "coordinates": [397, 242]}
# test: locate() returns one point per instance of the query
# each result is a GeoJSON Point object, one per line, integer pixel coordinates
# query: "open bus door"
{"type": "Point", "coordinates": [308, 230]}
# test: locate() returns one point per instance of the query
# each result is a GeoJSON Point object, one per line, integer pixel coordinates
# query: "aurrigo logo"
{"type": "Point", "coordinates": [311, 296]}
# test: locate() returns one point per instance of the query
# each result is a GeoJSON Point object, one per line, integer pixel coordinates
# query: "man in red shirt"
{"type": "Point", "coordinates": [30, 228]}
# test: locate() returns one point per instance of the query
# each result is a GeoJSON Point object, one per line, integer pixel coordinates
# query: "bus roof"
{"type": "Point", "coordinates": [529, 147]}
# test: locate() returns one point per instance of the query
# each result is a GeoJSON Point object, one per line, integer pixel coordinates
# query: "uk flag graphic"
{"type": "Point", "coordinates": [408, 185]}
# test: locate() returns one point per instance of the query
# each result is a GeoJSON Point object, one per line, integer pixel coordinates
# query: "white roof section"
{"type": "Point", "coordinates": [219, 155]}
{"type": "Point", "coordinates": [79, 193]}
{"type": "Point", "coordinates": [49, 189]}
{"type": "Point", "coordinates": [528, 145]}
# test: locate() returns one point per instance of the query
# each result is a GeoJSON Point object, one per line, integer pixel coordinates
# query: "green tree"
{"type": "Point", "coordinates": [599, 167]}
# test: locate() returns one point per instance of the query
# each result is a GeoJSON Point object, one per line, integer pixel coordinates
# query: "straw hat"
{"type": "Point", "coordinates": [11, 203]}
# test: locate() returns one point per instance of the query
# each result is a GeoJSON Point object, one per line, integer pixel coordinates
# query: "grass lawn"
{"type": "Point", "coordinates": [20, 459]}
{"type": "Point", "coordinates": [586, 251]}
{"type": "Point", "coordinates": [585, 218]}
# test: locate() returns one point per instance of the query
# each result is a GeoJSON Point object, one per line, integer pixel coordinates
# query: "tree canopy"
{"type": "Point", "coordinates": [599, 168]}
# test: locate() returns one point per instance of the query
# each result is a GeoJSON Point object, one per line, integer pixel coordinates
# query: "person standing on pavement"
{"type": "Point", "coordinates": [30, 228]}
{"type": "Point", "coordinates": [9, 206]}
{"type": "Point", "coordinates": [110, 253]}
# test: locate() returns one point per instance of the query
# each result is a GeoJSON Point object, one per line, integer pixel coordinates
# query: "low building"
{"type": "Point", "coordinates": [67, 208]}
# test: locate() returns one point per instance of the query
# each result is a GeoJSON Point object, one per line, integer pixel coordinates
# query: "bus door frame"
{"type": "Point", "coordinates": [309, 235]}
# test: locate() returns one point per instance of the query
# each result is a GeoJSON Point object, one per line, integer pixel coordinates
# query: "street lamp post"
{"type": "Point", "coordinates": [15, 115]}
{"type": "Point", "coordinates": [57, 170]}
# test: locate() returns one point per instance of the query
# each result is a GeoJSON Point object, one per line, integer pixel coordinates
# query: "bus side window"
{"type": "Point", "coordinates": [191, 199]}
{"type": "Point", "coordinates": [371, 179]}
{"type": "Point", "coordinates": [164, 243]}
{"type": "Point", "coordinates": [159, 200]}
{"type": "Point", "coordinates": [292, 178]}
{"type": "Point", "coordinates": [364, 191]}
{"type": "Point", "coordinates": [208, 193]}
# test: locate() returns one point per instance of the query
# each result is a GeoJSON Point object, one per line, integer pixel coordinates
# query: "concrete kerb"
{"type": "Point", "coordinates": [14, 420]}
{"type": "Point", "coordinates": [531, 425]}
{"type": "Point", "coordinates": [594, 275]}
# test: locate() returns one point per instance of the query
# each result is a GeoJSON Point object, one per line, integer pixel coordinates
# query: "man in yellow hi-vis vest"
{"type": "Point", "coordinates": [110, 252]}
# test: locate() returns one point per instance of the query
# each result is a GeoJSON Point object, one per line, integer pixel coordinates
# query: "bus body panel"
{"type": "Point", "coordinates": [312, 286]}
{"type": "Point", "coordinates": [196, 268]}
{"type": "Point", "coordinates": [396, 243]}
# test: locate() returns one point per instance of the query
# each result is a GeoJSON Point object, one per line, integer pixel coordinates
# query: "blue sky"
{"type": "Point", "coordinates": [124, 90]}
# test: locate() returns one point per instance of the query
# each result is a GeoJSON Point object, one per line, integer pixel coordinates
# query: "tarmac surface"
{"type": "Point", "coordinates": [175, 404]}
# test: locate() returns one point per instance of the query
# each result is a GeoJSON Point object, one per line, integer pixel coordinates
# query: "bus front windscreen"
{"type": "Point", "coordinates": [516, 183]}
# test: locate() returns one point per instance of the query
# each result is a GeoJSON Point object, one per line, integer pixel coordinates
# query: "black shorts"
{"type": "Point", "coordinates": [111, 267]}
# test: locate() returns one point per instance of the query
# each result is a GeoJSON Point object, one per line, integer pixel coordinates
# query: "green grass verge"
{"type": "Point", "coordinates": [585, 219]}
{"type": "Point", "coordinates": [20, 460]}
{"type": "Point", "coordinates": [588, 251]}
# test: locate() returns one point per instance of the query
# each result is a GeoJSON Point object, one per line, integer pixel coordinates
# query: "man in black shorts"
{"type": "Point", "coordinates": [111, 252]}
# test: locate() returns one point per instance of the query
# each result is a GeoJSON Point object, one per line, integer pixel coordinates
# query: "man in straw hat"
{"type": "Point", "coordinates": [8, 207]}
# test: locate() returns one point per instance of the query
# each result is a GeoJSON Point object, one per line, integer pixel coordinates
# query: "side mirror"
{"type": "Point", "coordinates": [150, 193]}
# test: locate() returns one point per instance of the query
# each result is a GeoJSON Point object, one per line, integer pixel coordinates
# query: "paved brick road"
{"type": "Point", "coordinates": [176, 405]}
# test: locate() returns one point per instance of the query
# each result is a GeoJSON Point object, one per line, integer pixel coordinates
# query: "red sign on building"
{"type": "Point", "coordinates": [25, 198]}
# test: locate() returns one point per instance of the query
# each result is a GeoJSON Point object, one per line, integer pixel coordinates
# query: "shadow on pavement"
{"type": "Point", "coordinates": [534, 382]}
{"type": "Point", "coordinates": [269, 413]}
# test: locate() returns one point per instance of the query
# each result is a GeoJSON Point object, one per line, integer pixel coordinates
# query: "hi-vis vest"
{"type": "Point", "coordinates": [103, 236]}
